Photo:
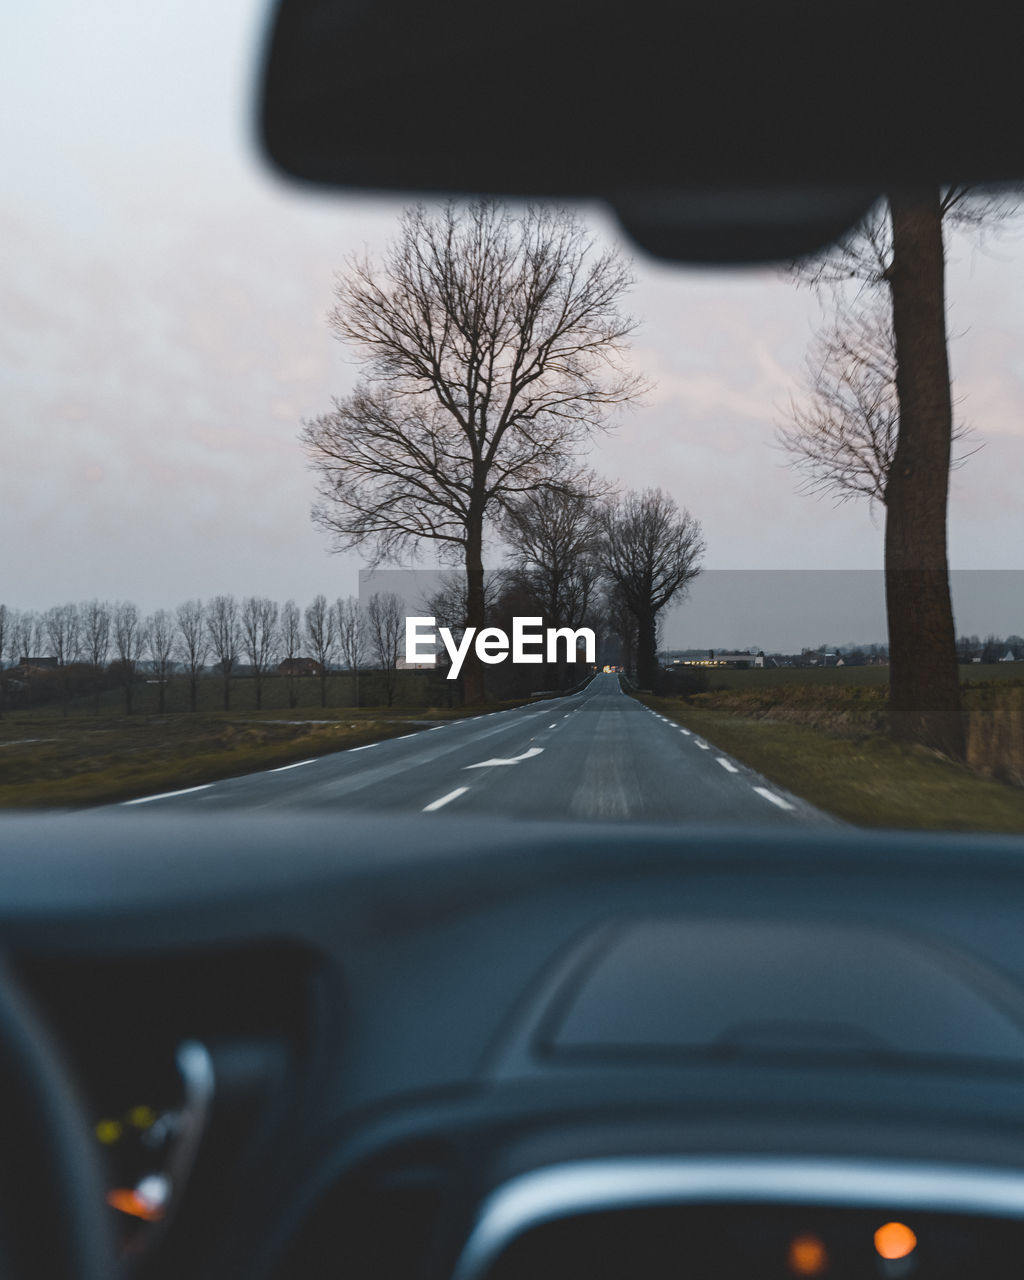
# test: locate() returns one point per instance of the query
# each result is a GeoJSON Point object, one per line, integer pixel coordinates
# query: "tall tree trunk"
{"type": "Point", "coordinates": [924, 687]}
{"type": "Point", "coordinates": [472, 667]}
{"type": "Point", "coordinates": [647, 652]}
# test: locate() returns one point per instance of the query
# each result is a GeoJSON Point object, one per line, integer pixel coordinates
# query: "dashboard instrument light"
{"type": "Point", "coordinates": [895, 1240]}
{"type": "Point", "coordinates": [807, 1256]}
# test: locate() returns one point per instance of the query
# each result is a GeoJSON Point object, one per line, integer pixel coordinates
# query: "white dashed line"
{"type": "Point", "coordinates": [727, 765]}
{"type": "Point", "coordinates": [439, 804]}
{"type": "Point", "coordinates": [770, 795]}
{"type": "Point", "coordinates": [702, 744]}
{"type": "Point", "coordinates": [686, 731]}
{"type": "Point", "coordinates": [297, 765]}
{"type": "Point", "coordinates": [552, 726]}
{"type": "Point", "coordinates": [166, 795]}
{"type": "Point", "coordinates": [366, 747]}
{"type": "Point", "coordinates": [403, 737]}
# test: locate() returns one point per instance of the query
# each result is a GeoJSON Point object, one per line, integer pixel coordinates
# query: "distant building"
{"type": "Point", "coordinates": [299, 667]}
{"type": "Point", "coordinates": [719, 658]}
{"type": "Point", "coordinates": [38, 664]}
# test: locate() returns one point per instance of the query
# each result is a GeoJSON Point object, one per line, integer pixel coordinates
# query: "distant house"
{"type": "Point", "coordinates": [738, 661]}
{"type": "Point", "coordinates": [27, 665]}
{"type": "Point", "coordinates": [1008, 656]}
{"type": "Point", "coordinates": [299, 667]}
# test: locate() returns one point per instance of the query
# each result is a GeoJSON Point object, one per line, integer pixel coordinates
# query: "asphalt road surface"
{"type": "Point", "coordinates": [598, 754]}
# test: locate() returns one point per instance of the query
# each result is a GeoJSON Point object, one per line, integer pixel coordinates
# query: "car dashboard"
{"type": "Point", "coordinates": [311, 1048]}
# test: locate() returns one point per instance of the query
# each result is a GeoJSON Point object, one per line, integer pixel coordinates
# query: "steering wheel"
{"type": "Point", "coordinates": [53, 1218]}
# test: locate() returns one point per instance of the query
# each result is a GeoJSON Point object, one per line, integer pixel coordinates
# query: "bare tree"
{"type": "Point", "coordinates": [322, 637]}
{"type": "Point", "coordinates": [37, 639]}
{"type": "Point", "coordinates": [899, 248]}
{"type": "Point", "coordinates": [225, 636]}
{"type": "Point", "coordinates": [6, 619]}
{"type": "Point", "coordinates": [19, 642]}
{"type": "Point", "coordinates": [192, 646]}
{"type": "Point", "coordinates": [63, 634]}
{"type": "Point", "coordinates": [259, 633]}
{"type": "Point", "coordinates": [95, 615]}
{"type": "Point", "coordinates": [650, 551]}
{"type": "Point", "coordinates": [492, 346]}
{"type": "Point", "coordinates": [128, 643]}
{"type": "Point", "coordinates": [622, 624]}
{"type": "Point", "coordinates": [291, 646]}
{"type": "Point", "coordinates": [350, 621]}
{"type": "Point", "coordinates": [841, 434]}
{"type": "Point", "coordinates": [385, 618]}
{"type": "Point", "coordinates": [159, 633]}
{"type": "Point", "coordinates": [554, 536]}
{"type": "Point", "coordinates": [14, 639]}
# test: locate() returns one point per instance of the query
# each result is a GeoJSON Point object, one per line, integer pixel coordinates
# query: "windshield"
{"type": "Point", "coordinates": [341, 500]}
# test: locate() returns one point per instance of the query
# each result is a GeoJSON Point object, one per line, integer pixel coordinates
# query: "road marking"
{"type": "Point", "coordinates": [552, 726]}
{"type": "Point", "coordinates": [770, 795]}
{"type": "Point", "coordinates": [166, 795]}
{"type": "Point", "coordinates": [366, 747]}
{"type": "Point", "coordinates": [297, 765]}
{"type": "Point", "coordinates": [436, 727]}
{"type": "Point", "coordinates": [403, 737]}
{"type": "Point", "coordinates": [439, 804]}
{"type": "Point", "coordinates": [686, 731]}
{"type": "Point", "coordinates": [727, 765]}
{"type": "Point", "coordinates": [527, 755]}
{"type": "Point", "coordinates": [702, 744]}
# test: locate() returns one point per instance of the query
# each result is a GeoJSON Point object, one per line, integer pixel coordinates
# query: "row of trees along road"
{"type": "Point", "coordinates": [877, 422]}
{"type": "Point", "coordinates": [492, 348]}
{"type": "Point", "coordinates": [114, 638]}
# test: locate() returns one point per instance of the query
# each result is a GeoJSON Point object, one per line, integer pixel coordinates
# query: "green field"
{"type": "Point", "coordinates": [822, 734]}
{"type": "Point", "coordinates": [48, 761]}
{"type": "Point", "coordinates": [412, 690]}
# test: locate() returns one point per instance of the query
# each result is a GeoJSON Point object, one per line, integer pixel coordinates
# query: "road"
{"type": "Point", "coordinates": [596, 755]}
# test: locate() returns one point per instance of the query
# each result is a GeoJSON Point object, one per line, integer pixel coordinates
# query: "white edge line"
{"type": "Point", "coordinates": [438, 804]}
{"type": "Point", "coordinates": [297, 765]}
{"type": "Point", "coordinates": [166, 795]}
{"type": "Point", "coordinates": [727, 765]}
{"type": "Point", "coordinates": [770, 795]}
{"type": "Point", "coordinates": [365, 747]}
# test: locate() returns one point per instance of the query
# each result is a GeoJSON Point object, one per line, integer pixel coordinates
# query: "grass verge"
{"type": "Point", "coordinates": [56, 763]}
{"type": "Point", "coordinates": [865, 779]}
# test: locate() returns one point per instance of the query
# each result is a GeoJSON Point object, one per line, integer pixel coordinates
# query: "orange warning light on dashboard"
{"type": "Point", "coordinates": [127, 1200]}
{"type": "Point", "coordinates": [807, 1256]}
{"type": "Point", "coordinates": [895, 1240]}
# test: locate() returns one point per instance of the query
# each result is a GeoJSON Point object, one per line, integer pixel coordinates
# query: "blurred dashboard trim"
{"type": "Point", "coordinates": [557, 1191]}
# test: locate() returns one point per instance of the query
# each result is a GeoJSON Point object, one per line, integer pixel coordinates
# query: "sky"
{"type": "Point", "coordinates": [163, 335]}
